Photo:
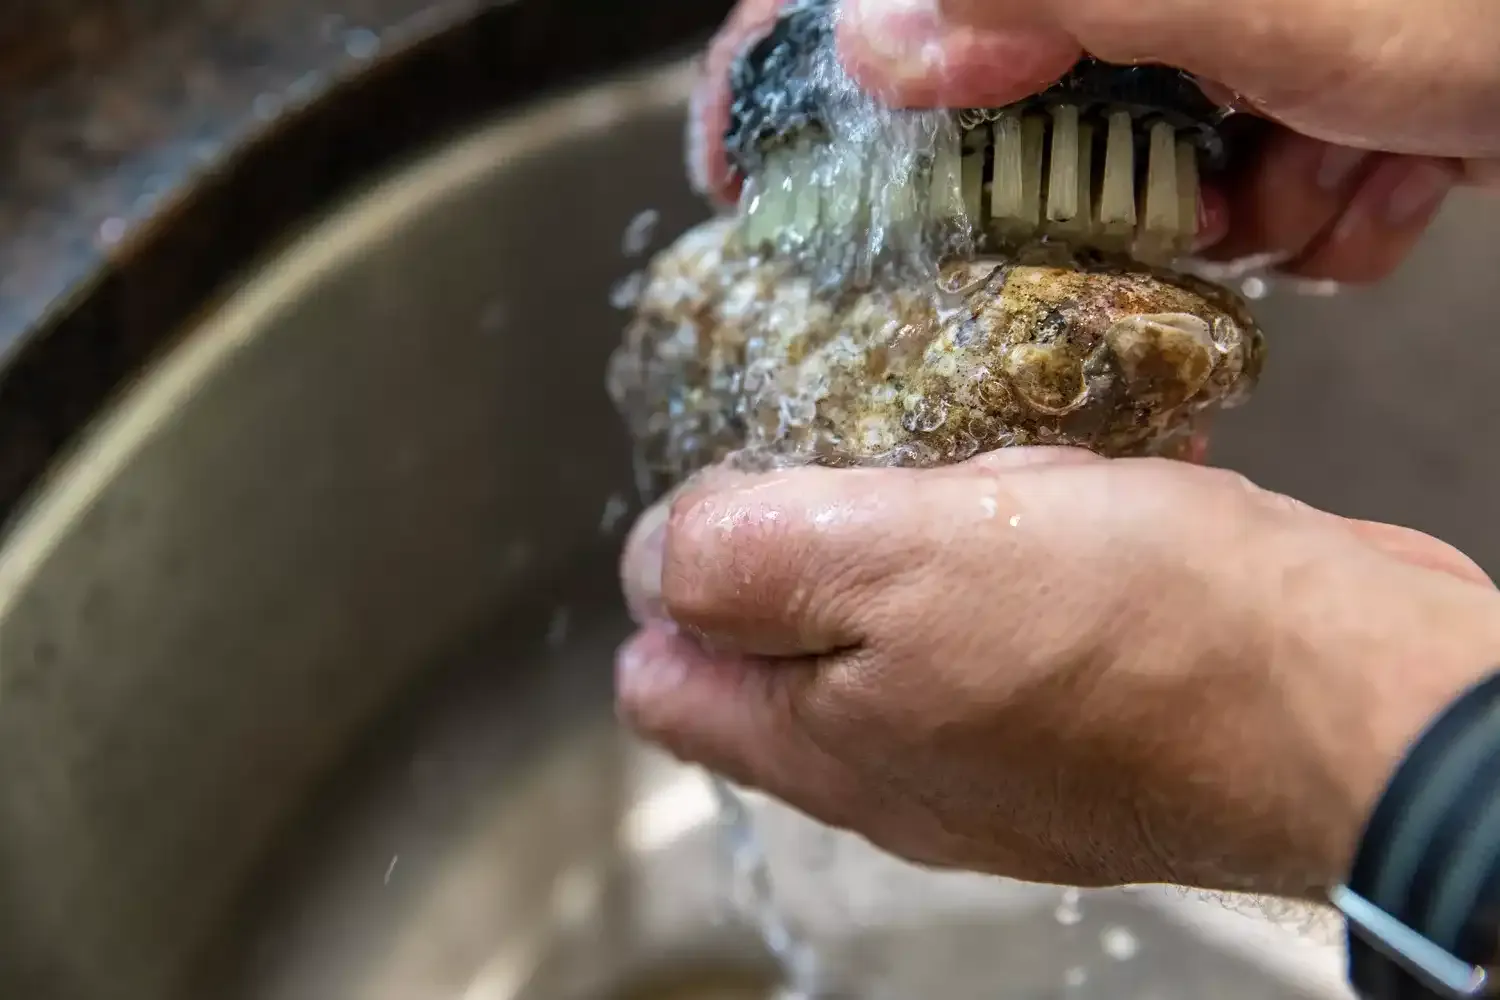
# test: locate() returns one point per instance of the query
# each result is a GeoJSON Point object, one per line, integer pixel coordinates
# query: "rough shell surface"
{"type": "Point", "coordinates": [732, 357]}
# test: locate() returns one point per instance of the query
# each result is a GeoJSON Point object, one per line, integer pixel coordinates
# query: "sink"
{"type": "Point", "coordinates": [305, 644]}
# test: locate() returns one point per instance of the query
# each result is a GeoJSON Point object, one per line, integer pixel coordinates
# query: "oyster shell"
{"type": "Point", "coordinates": [732, 357]}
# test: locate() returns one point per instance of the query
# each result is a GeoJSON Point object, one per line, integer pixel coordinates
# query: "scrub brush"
{"type": "Point", "coordinates": [1108, 159]}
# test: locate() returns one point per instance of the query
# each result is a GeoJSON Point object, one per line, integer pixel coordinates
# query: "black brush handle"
{"type": "Point", "coordinates": [772, 86]}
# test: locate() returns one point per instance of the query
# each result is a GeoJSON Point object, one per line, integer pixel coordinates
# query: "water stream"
{"type": "Point", "coordinates": [753, 892]}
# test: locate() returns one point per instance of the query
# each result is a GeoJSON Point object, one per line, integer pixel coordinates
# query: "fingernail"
{"type": "Point", "coordinates": [1423, 188]}
{"type": "Point", "coordinates": [643, 565]}
{"type": "Point", "coordinates": [1338, 165]}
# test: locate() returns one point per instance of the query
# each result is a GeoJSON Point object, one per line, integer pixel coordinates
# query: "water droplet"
{"type": "Point", "coordinates": [1075, 977]}
{"type": "Point", "coordinates": [627, 291]}
{"type": "Point", "coordinates": [965, 446]}
{"type": "Point", "coordinates": [1069, 911]}
{"type": "Point", "coordinates": [361, 43]}
{"type": "Point", "coordinates": [1015, 521]}
{"type": "Point", "coordinates": [112, 231]}
{"type": "Point", "coordinates": [924, 415]}
{"type": "Point", "coordinates": [615, 509]}
{"type": "Point", "coordinates": [797, 411]}
{"type": "Point", "coordinates": [989, 505]}
{"type": "Point", "coordinates": [304, 87]}
{"type": "Point", "coordinates": [1254, 288]}
{"type": "Point", "coordinates": [913, 456]}
{"type": "Point", "coordinates": [1119, 944]}
{"type": "Point", "coordinates": [390, 869]}
{"type": "Point", "coordinates": [640, 232]}
{"type": "Point", "coordinates": [266, 106]}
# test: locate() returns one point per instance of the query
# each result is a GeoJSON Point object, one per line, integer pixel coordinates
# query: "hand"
{"type": "Point", "coordinates": [1052, 666]}
{"type": "Point", "coordinates": [1419, 83]}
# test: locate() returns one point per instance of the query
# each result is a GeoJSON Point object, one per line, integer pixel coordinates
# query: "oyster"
{"type": "Point", "coordinates": [735, 356]}
{"type": "Point", "coordinates": [912, 288]}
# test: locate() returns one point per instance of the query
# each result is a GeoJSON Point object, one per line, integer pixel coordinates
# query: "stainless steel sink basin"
{"type": "Point", "coordinates": [305, 649]}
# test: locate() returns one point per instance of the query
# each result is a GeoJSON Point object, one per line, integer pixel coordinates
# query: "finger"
{"type": "Point", "coordinates": [1406, 544]}
{"type": "Point", "coordinates": [736, 716]}
{"type": "Point", "coordinates": [816, 561]}
{"type": "Point", "coordinates": [777, 566]}
{"type": "Point", "coordinates": [640, 566]}
{"type": "Point", "coordinates": [642, 563]}
{"type": "Point", "coordinates": [1420, 549]}
{"type": "Point", "coordinates": [1313, 66]}
{"type": "Point", "coordinates": [708, 114]}
{"type": "Point", "coordinates": [910, 55]}
{"type": "Point", "coordinates": [1295, 189]}
{"type": "Point", "coordinates": [641, 560]}
{"type": "Point", "coordinates": [1393, 207]}
{"type": "Point", "coordinates": [1201, 36]}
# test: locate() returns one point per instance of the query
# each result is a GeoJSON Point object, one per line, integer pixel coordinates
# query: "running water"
{"type": "Point", "coordinates": [754, 895]}
{"type": "Point", "coordinates": [872, 157]}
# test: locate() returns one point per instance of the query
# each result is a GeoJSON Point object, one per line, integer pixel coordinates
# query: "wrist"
{"type": "Point", "coordinates": [1399, 653]}
{"type": "Point", "coordinates": [1422, 893]}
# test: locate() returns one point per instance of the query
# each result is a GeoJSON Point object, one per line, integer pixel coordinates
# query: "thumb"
{"type": "Point", "coordinates": [793, 563]}
{"type": "Point", "coordinates": [1276, 55]}
{"type": "Point", "coordinates": [913, 53]}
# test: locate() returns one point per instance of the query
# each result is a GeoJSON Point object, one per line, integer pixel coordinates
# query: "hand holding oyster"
{"type": "Point", "coordinates": [913, 288]}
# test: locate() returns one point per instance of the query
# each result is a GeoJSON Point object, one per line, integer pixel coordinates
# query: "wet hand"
{"type": "Point", "coordinates": [1051, 666]}
{"type": "Point", "coordinates": [1382, 108]}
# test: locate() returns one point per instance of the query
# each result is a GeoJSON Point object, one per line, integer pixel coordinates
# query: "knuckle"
{"type": "Point", "coordinates": [700, 558]}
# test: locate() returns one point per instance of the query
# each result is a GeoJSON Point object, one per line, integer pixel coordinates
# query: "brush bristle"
{"type": "Point", "coordinates": [1097, 179]}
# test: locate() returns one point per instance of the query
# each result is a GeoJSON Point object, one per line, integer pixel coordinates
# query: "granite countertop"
{"type": "Point", "coordinates": [106, 114]}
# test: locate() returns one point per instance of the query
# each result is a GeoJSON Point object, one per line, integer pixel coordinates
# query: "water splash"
{"type": "Point", "coordinates": [615, 509]}
{"type": "Point", "coordinates": [627, 291]}
{"type": "Point", "coordinates": [636, 239]}
{"type": "Point", "coordinates": [1069, 910]}
{"type": "Point", "coordinates": [860, 194]}
{"type": "Point", "coordinates": [1119, 944]}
